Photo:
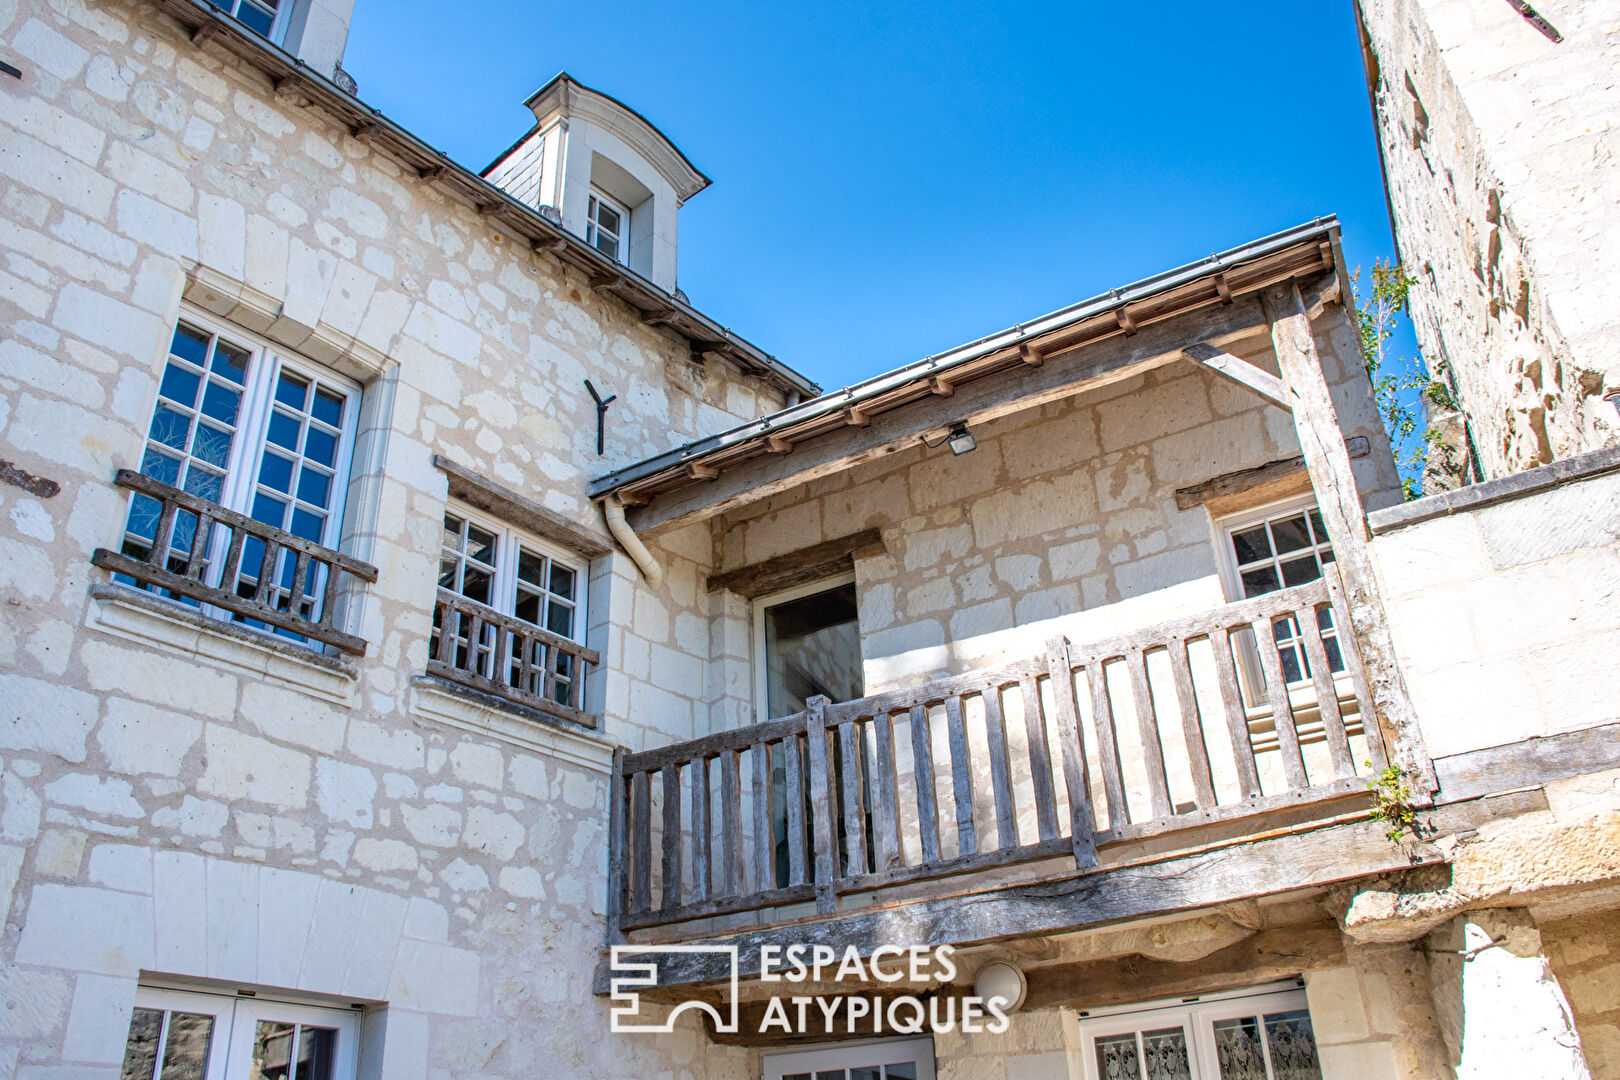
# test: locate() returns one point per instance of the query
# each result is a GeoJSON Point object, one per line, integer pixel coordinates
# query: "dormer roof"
{"type": "Point", "coordinates": [565, 97]}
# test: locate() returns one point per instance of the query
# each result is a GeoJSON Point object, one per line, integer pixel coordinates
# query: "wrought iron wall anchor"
{"type": "Point", "coordinates": [602, 404]}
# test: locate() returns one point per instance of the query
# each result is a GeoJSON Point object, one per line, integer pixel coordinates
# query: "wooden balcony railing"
{"type": "Point", "coordinates": [510, 658]}
{"type": "Point", "coordinates": [938, 780]}
{"type": "Point", "coordinates": [202, 552]}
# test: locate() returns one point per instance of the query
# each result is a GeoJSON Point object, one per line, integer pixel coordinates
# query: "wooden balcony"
{"type": "Point", "coordinates": [510, 658]}
{"type": "Point", "coordinates": [1253, 710]}
{"type": "Point", "coordinates": [264, 575]}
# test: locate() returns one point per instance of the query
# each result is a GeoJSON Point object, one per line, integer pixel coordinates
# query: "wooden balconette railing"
{"type": "Point", "coordinates": [995, 768]}
{"type": "Point", "coordinates": [479, 647]}
{"type": "Point", "coordinates": [301, 601]}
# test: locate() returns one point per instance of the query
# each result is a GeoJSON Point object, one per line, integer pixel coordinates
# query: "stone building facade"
{"type": "Point", "coordinates": [254, 825]}
{"type": "Point", "coordinates": [1495, 129]}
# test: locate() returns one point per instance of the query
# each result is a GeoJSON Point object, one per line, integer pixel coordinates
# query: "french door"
{"type": "Point", "coordinates": [890, 1059]}
{"type": "Point", "coordinates": [1249, 1035]}
{"type": "Point", "coordinates": [181, 1035]}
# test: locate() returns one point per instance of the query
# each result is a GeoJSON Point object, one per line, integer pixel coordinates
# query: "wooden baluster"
{"type": "Point", "coordinates": [995, 730]}
{"type": "Point", "coordinates": [449, 627]}
{"type": "Point", "coordinates": [264, 590]}
{"type": "Point", "coordinates": [1327, 698]}
{"type": "Point", "coordinates": [849, 745]}
{"type": "Point", "coordinates": [1192, 725]}
{"type": "Point", "coordinates": [233, 559]}
{"type": "Point", "coordinates": [1082, 823]}
{"type": "Point", "coordinates": [641, 842]}
{"type": "Point", "coordinates": [548, 666]}
{"type": "Point", "coordinates": [793, 762]}
{"type": "Point", "coordinates": [618, 825]}
{"type": "Point", "coordinates": [1350, 649]}
{"type": "Point", "coordinates": [671, 898]}
{"type": "Point", "coordinates": [1102, 714]}
{"type": "Point", "coordinates": [163, 538]}
{"type": "Point", "coordinates": [731, 848]}
{"type": "Point", "coordinates": [764, 834]}
{"type": "Point", "coordinates": [701, 831]}
{"type": "Point", "coordinates": [1282, 711]}
{"type": "Point", "coordinates": [475, 638]}
{"type": "Point", "coordinates": [1237, 720]}
{"type": "Point", "coordinates": [1147, 723]}
{"type": "Point", "coordinates": [821, 806]}
{"type": "Point", "coordinates": [295, 601]}
{"type": "Point", "coordinates": [885, 827]}
{"type": "Point", "coordinates": [922, 770]}
{"type": "Point", "coordinates": [329, 593]}
{"type": "Point", "coordinates": [967, 833]}
{"type": "Point", "coordinates": [525, 678]}
{"type": "Point", "coordinates": [1040, 758]}
{"type": "Point", "coordinates": [198, 558]}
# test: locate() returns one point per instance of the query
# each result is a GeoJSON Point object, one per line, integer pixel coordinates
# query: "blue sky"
{"type": "Point", "coordinates": [892, 180]}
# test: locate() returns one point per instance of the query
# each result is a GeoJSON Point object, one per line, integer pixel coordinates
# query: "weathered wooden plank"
{"type": "Point", "coordinates": [1237, 871]}
{"type": "Point", "coordinates": [722, 905]}
{"type": "Point", "coordinates": [1102, 715]}
{"type": "Point", "coordinates": [641, 842]}
{"type": "Point", "coordinates": [793, 763]}
{"type": "Point", "coordinates": [821, 805]}
{"type": "Point", "coordinates": [732, 881]}
{"type": "Point", "coordinates": [1040, 758]}
{"type": "Point", "coordinates": [849, 754]}
{"type": "Point", "coordinates": [885, 795]}
{"type": "Point", "coordinates": [1242, 480]}
{"type": "Point", "coordinates": [922, 771]}
{"type": "Point", "coordinates": [1282, 710]}
{"type": "Point", "coordinates": [1147, 723]}
{"type": "Point", "coordinates": [1350, 649]}
{"type": "Point", "coordinates": [1237, 721]}
{"type": "Point", "coordinates": [995, 730]}
{"type": "Point", "coordinates": [798, 567]}
{"type": "Point", "coordinates": [702, 832]}
{"type": "Point", "coordinates": [671, 896]}
{"type": "Point", "coordinates": [967, 833]}
{"type": "Point", "coordinates": [1082, 822]}
{"type": "Point", "coordinates": [1339, 500]}
{"type": "Point", "coordinates": [1192, 724]}
{"type": "Point", "coordinates": [933, 693]}
{"type": "Point", "coordinates": [1327, 698]}
{"type": "Point", "coordinates": [764, 834]}
{"type": "Point", "coordinates": [618, 827]}
{"type": "Point", "coordinates": [1527, 763]}
{"type": "Point", "coordinates": [711, 745]}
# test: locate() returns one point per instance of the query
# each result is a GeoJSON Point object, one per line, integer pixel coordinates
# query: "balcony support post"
{"type": "Point", "coordinates": [1327, 461]}
{"type": "Point", "coordinates": [618, 826]}
{"type": "Point", "coordinates": [821, 805]}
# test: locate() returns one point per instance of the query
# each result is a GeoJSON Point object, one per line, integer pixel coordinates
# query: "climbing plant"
{"type": "Point", "coordinates": [1400, 383]}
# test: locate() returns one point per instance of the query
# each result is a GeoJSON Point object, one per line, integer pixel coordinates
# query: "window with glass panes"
{"type": "Point", "coordinates": [889, 1059]}
{"type": "Point", "coordinates": [607, 226]}
{"type": "Point", "coordinates": [257, 15]}
{"type": "Point", "coordinates": [1279, 547]}
{"type": "Point", "coordinates": [254, 431]}
{"type": "Point", "coordinates": [1261, 1034]}
{"type": "Point", "coordinates": [515, 575]}
{"type": "Point", "coordinates": [183, 1035]}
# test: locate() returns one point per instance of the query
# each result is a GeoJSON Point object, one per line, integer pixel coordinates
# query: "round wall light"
{"type": "Point", "coordinates": [999, 979]}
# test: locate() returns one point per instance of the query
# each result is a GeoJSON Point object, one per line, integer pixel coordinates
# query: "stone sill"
{"type": "Point", "coordinates": [1490, 492]}
{"type": "Point", "coordinates": [466, 709]}
{"type": "Point", "coordinates": [139, 616]}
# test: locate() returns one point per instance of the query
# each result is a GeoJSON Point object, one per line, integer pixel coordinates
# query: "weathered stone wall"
{"type": "Point", "coordinates": [1504, 615]}
{"type": "Point", "coordinates": [1497, 148]}
{"type": "Point", "coordinates": [201, 804]}
{"type": "Point", "coordinates": [1585, 955]}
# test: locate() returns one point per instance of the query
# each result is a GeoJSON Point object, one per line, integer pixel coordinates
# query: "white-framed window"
{"type": "Point", "coordinates": [266, 17]}
{"type": "Point", "coordinates": [254, 429]}
{"type": "Point", "coordinates": [1258, 1034]}
{"type": "Point", "coordinates": [607, 226]}
{"type": "Point", "coordinates": [807, 641]}
{"type": "Point", "coordinates": [887, 1059]}
{"type": "Point", "coordinates": [185, 1035]}
{"type": "Point", "coordinates": [1274, 547]}
{"type": "Point", "coordinates": [516, 574]}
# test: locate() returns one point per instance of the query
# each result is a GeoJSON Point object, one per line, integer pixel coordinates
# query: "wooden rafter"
{"type": "Point", "coordinates": [1239, 371]}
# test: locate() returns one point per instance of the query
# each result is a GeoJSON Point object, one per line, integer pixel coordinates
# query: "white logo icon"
{"type": "Point", "coordinates": [631, 973]}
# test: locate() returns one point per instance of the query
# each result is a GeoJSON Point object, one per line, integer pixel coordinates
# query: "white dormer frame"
{"type": "Point", "coordinates": [594, 228]}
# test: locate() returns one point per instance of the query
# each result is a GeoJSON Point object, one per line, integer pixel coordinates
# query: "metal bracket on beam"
{"type": "Point", "coordinates": [1535, 19]}
{"type": "Point", "coordinates": [7, 69]}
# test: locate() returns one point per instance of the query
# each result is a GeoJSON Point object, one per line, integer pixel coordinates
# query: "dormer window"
{"type": "Point", "coordinates": [256, 15]}
{"type": "Point", "coordinates": [607, 227]}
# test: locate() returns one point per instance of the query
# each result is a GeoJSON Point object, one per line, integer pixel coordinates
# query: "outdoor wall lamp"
{"type": "Point", "coordinates": [999, 979]}
{"type": "Point", "coordinates": [960, 439]}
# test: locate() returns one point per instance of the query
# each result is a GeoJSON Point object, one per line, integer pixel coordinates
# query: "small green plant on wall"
{"type": "Point", "coordinates": [1392, 803]}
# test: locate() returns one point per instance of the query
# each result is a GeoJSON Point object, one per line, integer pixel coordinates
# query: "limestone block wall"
{"type": "Point", "coordinates": [1584, 952]}
{"type": "Point", "coordinates": [1504, 617]}
{"type": "Point", "coordinates": [1497, 149]}
{"type": "Point", "coordinates": [195, 794]}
